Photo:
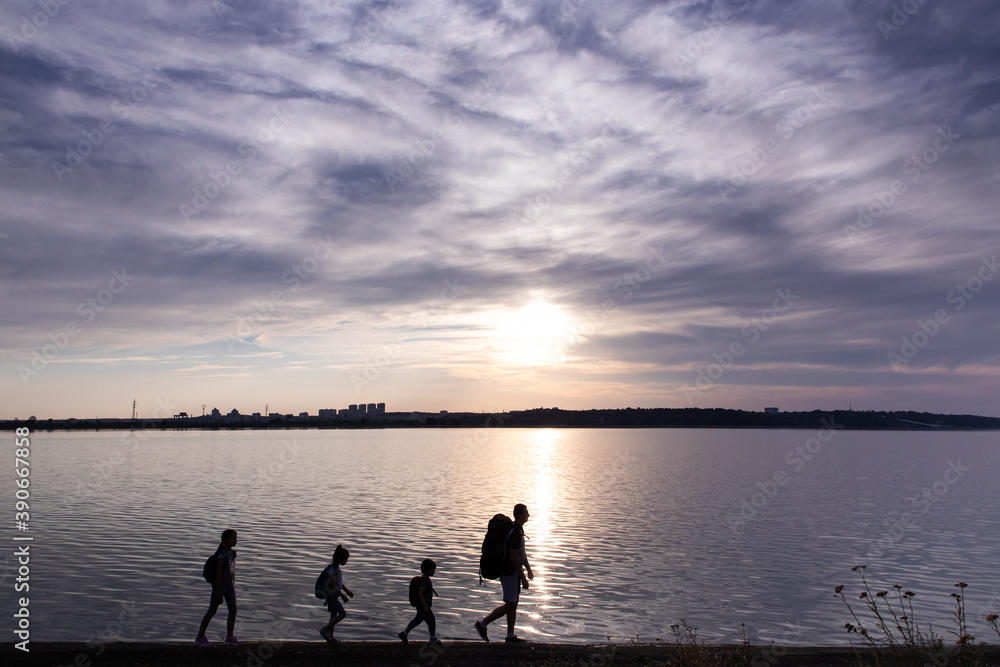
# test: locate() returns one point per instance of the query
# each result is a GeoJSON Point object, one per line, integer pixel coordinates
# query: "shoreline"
{"type": "Point", "coordinates": [452, 652]}
{"type": "Point", "coordinates": [627, 418]}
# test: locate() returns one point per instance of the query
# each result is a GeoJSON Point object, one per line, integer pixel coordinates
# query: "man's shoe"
{"type": "Point", "coordinates": [402, 635]}
{"type": "Point", "coordinates": [481, 629]}
{"type": "Point", "coordinates": [514, 639]}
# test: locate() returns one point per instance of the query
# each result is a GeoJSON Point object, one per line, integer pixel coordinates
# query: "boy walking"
{"type": "Point", "coordinates": [422, 598]}
{"type": "Point", "coordinates": [512, 577]}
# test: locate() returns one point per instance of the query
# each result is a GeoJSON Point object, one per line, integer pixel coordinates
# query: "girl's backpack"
{"type": "Point", "coordinates": [210, 568]}
{"type": "Point", "coordinates": [321, 589]}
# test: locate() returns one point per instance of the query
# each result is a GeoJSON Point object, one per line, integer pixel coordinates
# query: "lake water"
{"type": "Point", "coordinates": [630, 530]}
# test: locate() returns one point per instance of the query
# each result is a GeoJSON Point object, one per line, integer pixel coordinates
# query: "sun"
{"type": "Point", "coordinates": [535, 335]}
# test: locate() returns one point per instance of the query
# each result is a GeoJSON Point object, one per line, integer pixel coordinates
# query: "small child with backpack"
{"type": "Point", "coordinates": [421, 596]}
{"type": "Point", "coordinates": [330, 586]}
{"type": "Point", "coordinates": [220, 571]}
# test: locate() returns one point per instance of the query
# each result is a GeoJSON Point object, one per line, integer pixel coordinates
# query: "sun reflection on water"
{"type": "Point", "coordinates": [544, 546]}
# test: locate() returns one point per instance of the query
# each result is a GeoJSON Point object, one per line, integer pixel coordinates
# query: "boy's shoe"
{"type": "Point", "coordinates": [232, 641]}
{"type": "Point", "coordinates": [325, 634]}
{"type": "Point", "coordinates": [514, 639]}
{"type": "Point", "coordinates": [402, 635]}
{"type": "Point", "coordinates": [202, 641]}
{"type": "Point", "coordinates": [481, 629]}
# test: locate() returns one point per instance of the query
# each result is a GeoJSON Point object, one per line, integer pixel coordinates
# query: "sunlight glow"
{"type": "Point", "coordinates": [535, 335]}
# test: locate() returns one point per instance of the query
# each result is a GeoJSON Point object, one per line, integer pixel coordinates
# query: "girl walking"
{"type": "Point", "coordinates": [335, 592]}
{"type": "Point", "coordinates": [223, 588]}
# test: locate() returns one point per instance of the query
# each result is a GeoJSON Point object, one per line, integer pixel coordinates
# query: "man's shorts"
{"type": "Point", "coordinates": [511, 584]}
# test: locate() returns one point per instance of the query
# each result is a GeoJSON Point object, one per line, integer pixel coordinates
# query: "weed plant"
{"type": "Point", "coordinates": [893, 636]}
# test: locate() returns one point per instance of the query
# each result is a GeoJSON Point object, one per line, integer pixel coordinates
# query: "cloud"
{"type": "Point", "coordinates": [527, 152]}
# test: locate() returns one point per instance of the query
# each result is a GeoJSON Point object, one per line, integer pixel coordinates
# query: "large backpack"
{"type": "Point", "coordinates": [492, 557]}
{"type": "Point", "coordinates": [322, 590]}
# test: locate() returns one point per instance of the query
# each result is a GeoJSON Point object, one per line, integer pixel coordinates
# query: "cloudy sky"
{"type": "Point", "coordinates": [505, 204]}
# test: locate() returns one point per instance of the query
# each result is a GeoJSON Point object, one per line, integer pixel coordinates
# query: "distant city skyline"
{"type": "Point", "coordinates": [487, 206]}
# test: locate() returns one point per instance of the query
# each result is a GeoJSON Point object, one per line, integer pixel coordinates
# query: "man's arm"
{"type": "Point", "coordinates": [515, 559]}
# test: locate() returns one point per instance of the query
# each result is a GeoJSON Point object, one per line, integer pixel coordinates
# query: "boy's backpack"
{"type": "Point", "coordinates": [210, 568]}
{"type": "Point", "coordinates": [491, 560]}
{"type": "Point", "coordinates": [415, 591]}
{"type": "Point", "coordinates": [321, 588]}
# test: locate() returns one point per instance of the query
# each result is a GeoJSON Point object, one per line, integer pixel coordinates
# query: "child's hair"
{"type": "Point", "coordinates": [338, 552]}
{"type": "Point", "coordinates": [226, 534]}
{"type": "Point", "coordinates": [427, 566]}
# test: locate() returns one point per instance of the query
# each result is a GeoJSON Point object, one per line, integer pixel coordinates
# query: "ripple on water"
{"type": "Point", "coordinates": [631, 530]}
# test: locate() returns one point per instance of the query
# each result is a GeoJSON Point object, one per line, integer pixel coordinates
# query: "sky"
{"type": "Point", "coordinates": [498, 205]}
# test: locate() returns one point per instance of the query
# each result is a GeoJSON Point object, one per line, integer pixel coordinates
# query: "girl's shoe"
{"type": "Point", "coordinates": [202, 641]}
{"type": "Point", "coordinates": [402, 635]}
{"type": "Point", "coordinates": [325, 634]}
{"type": "Point", "coordinates": [232, 641]}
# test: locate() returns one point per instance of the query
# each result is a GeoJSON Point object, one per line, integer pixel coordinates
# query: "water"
{"type": "Point", "coordinates": [630, 531]}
